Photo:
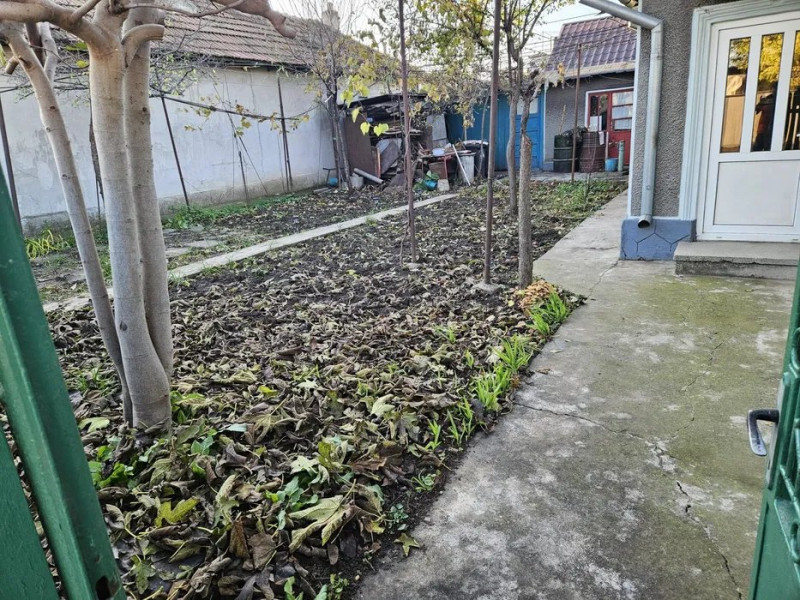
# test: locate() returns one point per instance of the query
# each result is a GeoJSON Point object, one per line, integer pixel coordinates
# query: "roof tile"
{"type": "Point", "coordinates": [609, 45]}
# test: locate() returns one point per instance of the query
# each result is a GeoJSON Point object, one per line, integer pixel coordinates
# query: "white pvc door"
{"type": "Point", "coordinates": [753, 179]}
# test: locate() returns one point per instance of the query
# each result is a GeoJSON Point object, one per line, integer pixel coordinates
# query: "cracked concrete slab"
{"type": "Point", "coordinates": [624, 470]}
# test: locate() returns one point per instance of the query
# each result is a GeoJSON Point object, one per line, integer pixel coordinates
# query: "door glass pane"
{"type": "Point", "coordinates": [791, 133]}
{"type": "Point", "coordinates": [768, 70]}
{"type": "Point", "coordinates": [623, 124]}
{"type": "Point", "coordinates": [622, 98]}
{"type": "Point", "coordinates": [621, 112]}
{"type": "Point", "coordinates": [598, 112]}
{"type": "Point", "coordinates": [735, 88]}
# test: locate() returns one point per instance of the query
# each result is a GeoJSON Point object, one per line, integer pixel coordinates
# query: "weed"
{"type": "Point", "coordinates": [336, 588]}
{"type": "Point", "coordinates": [456, 433]}
{"type": "Point", "coordinates": [541, 325]}
{"type": "Point", "coordinates": [396, 517]}
{"type": "Point", "coordinates": [46, 242]}
{"type": "Point", "coordinates": [436, 431]}
{"type": "Point", "coordinates": [556, 308]}
{"type": "Point", "coordinates": [484, 388]}
{"type": "Point", "coordinates": [446, 333]}
{"type": "Point", "coordinates": [425, 482]}
{"type": "Point", "coordinates": [549, 315]}
{"type": "Point", "coordinates": [462, 421]}
{"type": "Point", "coordinates": [469, 360]}
{"type": "Point", "coordinates": [514, 352]}
{"type": "Point", "coordinates": [186, 218]}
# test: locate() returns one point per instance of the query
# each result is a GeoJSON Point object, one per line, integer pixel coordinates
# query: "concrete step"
{"type": "Point", "coordinates": [765, 260]}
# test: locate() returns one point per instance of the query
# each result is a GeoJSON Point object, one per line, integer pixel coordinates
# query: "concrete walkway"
{"type": "Point", "coordinates": [624, 470]}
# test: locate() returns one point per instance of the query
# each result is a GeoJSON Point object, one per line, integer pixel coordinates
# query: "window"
{"type": "Point", "coordinates": [735, 88]}
{"type": "Point", "coordinates": [622, 110]}
{"type": "Point", "coordinates": [598, 111]}
{"type": "Point", "coordinates": [791, 131]}
{"type": "Point", "coordinates": [767, 91]}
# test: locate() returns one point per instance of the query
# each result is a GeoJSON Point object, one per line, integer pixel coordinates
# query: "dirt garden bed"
{"type": "Point", "coordinates": [321, 394]}
{"type": "Point", "coordinates": [192, 234]}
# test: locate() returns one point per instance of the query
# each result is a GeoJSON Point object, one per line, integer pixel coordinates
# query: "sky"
{"type": "Point", "coordinates": [551, 24]}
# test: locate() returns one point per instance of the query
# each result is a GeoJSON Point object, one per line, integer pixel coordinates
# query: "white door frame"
{"type": "Point", "coordinates": [700, 104]}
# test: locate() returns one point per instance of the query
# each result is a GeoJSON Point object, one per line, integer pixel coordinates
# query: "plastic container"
{"type": "Point", "coordinates": [356, 181]}
{"type": "Point", "coordinates": [611, 164]}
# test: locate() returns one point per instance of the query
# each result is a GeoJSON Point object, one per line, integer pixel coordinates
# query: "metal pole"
{"type": "Point", "coordinates": [244, 178]}
{"type": "Point", "coordinates": [285, 139]}
{"type": "Point", "coordinates": [9, 167]}
{"type": "Point", "coordinates": [575, 128]}
{"type": "Point", "coordinates": [487, 252]}
{"type": "Point", "coordinates": [175, 151]}
{"type": "Point", "coordinates": [412, 233]}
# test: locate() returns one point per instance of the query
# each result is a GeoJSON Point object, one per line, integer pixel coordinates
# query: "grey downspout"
{"type": "Point", "coordinates": [653, 95]}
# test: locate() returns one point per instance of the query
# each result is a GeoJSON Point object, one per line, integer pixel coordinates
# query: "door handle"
{"type": "Point", "coordinates": [770, 415]}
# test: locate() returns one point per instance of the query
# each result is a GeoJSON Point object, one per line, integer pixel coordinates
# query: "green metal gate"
{"type": "Point", "coordinates": [35, 402]}
{"type": "Point", "coordinates": [776, 564]}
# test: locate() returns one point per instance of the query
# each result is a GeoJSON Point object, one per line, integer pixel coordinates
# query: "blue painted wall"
{"type": "Point", "coordinates": [455, 130]}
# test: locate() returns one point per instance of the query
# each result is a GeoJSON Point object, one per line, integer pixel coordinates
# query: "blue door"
{"type": "Point", "coordinates": [479, 129]}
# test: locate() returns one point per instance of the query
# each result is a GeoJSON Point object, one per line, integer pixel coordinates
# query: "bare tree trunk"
{"type": "Point", "coordinates": [148, 215]}
{"type": "Point", "coordinates": [342, 147]}
{"type": "Point", "coordinates": [409, 169]}
{"type": "Point", "coordinates": [53, 121]}
{"type": "Point", "coordinates": [487, 245]}
{"type": "Point", "coordinates": [524, 217]}
{"type": "Point", "coordinates": [511, 147]}
{"type": "Point", "coordinates": [148, 383]}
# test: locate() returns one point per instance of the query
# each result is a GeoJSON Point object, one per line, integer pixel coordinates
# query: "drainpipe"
{"type": "Point", "coordinates": [653, 95]}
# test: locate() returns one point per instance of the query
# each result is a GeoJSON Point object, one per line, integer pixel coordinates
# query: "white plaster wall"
{"type": "Point", "coordinates": [208, 150]}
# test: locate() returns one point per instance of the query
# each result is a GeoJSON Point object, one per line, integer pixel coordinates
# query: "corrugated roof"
{"type": "Point", "coordinates": [609, 46]}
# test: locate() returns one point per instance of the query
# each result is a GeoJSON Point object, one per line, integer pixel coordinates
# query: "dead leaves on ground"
{"type": "Point", "coordinates": [314, 388]}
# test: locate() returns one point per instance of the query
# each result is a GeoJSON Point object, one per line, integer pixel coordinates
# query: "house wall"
{"type": "Point", "coordinates": [660, 239]}
{"type": "Point", "coordinates": [207, 148]}
{"type": "Point", "coordinates": [560, 106]}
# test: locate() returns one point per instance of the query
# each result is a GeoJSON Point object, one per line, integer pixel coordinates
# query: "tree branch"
{"type": "Point", "coordinates": [51, 51]}
{"type": "Point", "coordinates": [262, 8]}
{"type": "Point", "coordinates": [136, 36]}
{"type": "Point", "coordinates": [84, 10]}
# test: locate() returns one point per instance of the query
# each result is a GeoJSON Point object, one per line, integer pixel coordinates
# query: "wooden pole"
{"type": "Point", "coordinates": [285, 139]}
{"type": "Point", "coordinates": [412, 232]}
{"type": "Point", "coordinates": [175, 151]}
{"type": "Point", "coordinates": [9, 167]}
{"type": "Point", "coordinates": [487, 251]}
{"type": "Point", "coordinates": [575, 128]}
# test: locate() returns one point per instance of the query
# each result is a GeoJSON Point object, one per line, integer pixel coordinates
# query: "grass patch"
{"type": "Point", "coordinates": [47, 242]}
{"type": "Point", "coordinates": [192, 216]}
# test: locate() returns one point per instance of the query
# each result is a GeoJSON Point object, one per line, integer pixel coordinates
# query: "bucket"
{"type": "Point", "coordinates": [611, 164]}
{"type": "Point", "coordinates": [356, 181]}
{"type": "Point", "coordinates": [468, 162]}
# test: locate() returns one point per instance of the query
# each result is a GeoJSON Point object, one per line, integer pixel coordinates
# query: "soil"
{"type": "Point", "coordinates": [327, 374]}
{"type": "Point", "coordinates": [195, 234]}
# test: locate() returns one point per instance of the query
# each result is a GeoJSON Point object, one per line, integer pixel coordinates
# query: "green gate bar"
{"type": "Point", "coordinates": [42, 423]}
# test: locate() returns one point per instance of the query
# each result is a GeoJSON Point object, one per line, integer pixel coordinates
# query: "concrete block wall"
{"type": "Point", "coordinates": [208, 150]}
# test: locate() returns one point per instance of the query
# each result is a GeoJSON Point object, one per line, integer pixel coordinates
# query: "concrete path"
{"type": "Point", "coordinates": [244, 253]}
{"type": "Point", "coordinates": [624, 470]}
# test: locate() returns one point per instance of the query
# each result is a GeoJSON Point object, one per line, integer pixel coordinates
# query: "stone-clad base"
{"type": "Point", "coordinates": [656, 242]}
